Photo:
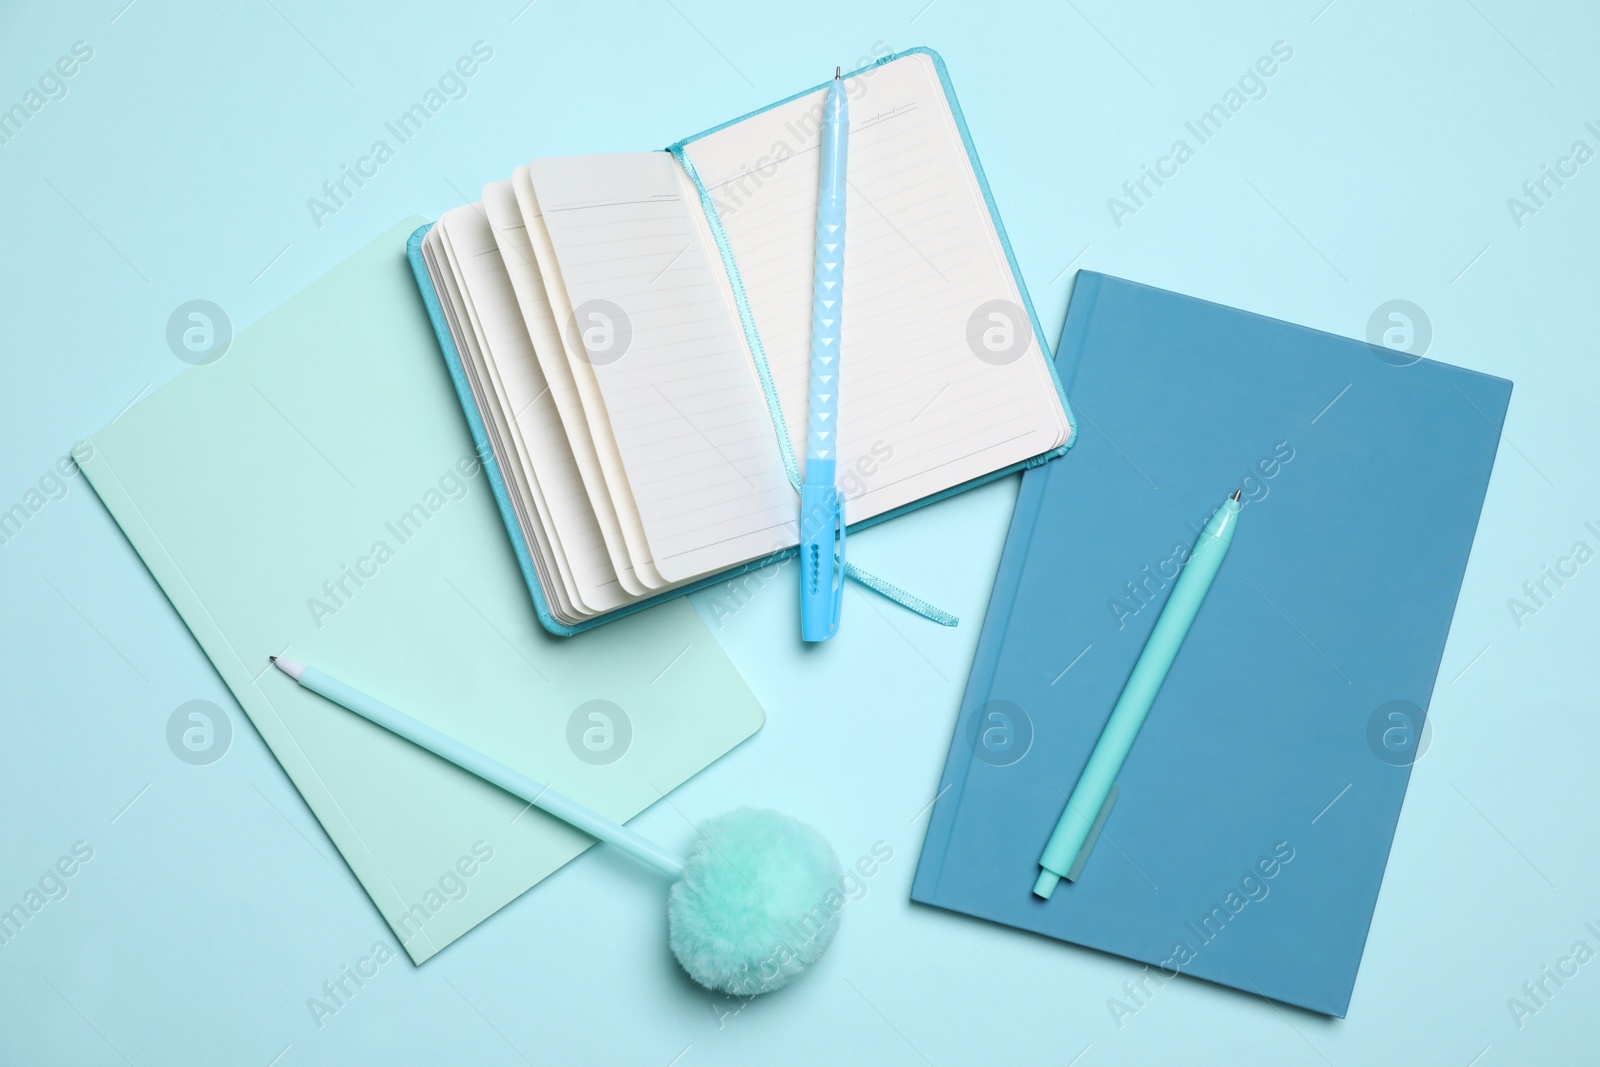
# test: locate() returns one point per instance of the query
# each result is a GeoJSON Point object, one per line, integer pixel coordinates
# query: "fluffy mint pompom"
{"type": "Point", "coordinates": [758, 902]}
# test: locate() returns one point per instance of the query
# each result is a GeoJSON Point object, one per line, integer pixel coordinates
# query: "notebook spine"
{"type": "Point", "coordinates": [985, 661]}
{"type": "Point", "coordinates": [997, 621]}
{"type": "Point", "coordinates": [1085, 294]}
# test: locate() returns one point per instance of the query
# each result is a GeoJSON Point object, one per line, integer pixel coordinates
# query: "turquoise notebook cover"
{"type": "Point", "coordinates": [452, 358]}
{"type": "Point", "coordinates": [1256, 810]}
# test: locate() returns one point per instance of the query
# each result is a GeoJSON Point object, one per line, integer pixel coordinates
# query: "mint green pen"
{"type": "Point", "coordinates": [1086, 808]}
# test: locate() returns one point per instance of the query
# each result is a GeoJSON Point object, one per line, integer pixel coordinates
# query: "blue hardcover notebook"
{"type": "Point", "coordinates": [629, 335]}
{"type": "Point", "coordinates": [1255, 812]}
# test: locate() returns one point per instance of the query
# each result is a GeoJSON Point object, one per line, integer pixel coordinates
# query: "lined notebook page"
{"type": "Point", "coordinates": [532, 420]}
{"type": "Point", "coordinates": [926, 289]}
{"type": "Point", "coordinates": [593, 404]}
{"type": "Point", "coordinates": [511, 235]}
{"type": "Point", "coordinates": [680, 390]}
{"type": "Point", "coordinates": [488, 386]}
{"type": "Point", "coordinates": [530, 518]}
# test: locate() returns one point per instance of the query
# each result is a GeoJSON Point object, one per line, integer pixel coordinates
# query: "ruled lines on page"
{"type": "Point", "coordinates": [534, 526]}
{"type": "Point", "coordinates": [680, 392]}
{"type": "Point", "coordinates": [924, 405]}
{"type": "Point", "coordinates": [505, 216]}
{"type": "Point", "coordinates": [529, 409]}
{"type": "Point", "coordinates": [592, 402]}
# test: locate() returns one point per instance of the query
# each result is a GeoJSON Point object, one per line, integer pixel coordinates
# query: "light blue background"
{"type": "Point", "coordinates": [1377, 166]}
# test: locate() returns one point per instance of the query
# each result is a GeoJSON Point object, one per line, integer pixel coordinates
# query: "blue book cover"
{"type": "Point", "coordinates": [1255, 812]}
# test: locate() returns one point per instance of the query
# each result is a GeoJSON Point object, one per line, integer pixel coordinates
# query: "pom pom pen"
{"type": "Point", "coordinates": [1092, 797]}
{"type": "Point", "coordinates": [753, 878]}
{"type": "Point", "coordinates": [821, 503]}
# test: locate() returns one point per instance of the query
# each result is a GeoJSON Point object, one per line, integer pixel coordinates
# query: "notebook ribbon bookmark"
{"type": "Point", "coordinates": [775, 408]}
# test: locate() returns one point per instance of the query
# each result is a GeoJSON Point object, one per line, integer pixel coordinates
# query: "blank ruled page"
{"type": "Point", "coordinates": [528, 409]}
{"type": "Point", "coordinates": [591, 403]}
{"type": "Point", "coordinates": [680, 392]}
{"type": "Point", "coordinates": [516, 251]}
{"type": "Point", "coordinates": [530, 515]}
{"type": "Point", "coordinates": [941, 378]}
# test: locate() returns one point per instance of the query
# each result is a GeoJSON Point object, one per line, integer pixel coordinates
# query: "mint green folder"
{"type": "Point", "coordinates": [316, 492]}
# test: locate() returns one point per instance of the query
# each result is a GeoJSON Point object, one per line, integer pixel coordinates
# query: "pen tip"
{"type": "Point", "coordinates": [838, 72]}
{"type": "Point", "coordinates": [272, 659]}
{"type": "Point", "coordinates": [1236, 494]}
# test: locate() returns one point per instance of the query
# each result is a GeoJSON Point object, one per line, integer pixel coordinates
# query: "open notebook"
{"type": "Point", "coordinates": [644, 430]}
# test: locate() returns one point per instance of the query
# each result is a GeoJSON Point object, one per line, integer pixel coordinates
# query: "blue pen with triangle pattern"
{"type": "Point", "coordinates": [821, 503]}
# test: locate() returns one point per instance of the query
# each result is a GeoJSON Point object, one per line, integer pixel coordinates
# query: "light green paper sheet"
{"type": "Point", "coordinates": [327, 446]}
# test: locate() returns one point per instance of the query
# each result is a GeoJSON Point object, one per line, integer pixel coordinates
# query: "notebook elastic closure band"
{"type": "Point", "coordinates": [770, 391]}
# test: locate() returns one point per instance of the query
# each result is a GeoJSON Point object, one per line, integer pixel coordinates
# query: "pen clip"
{"type": "Point", "coordinates": [821, 561]}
